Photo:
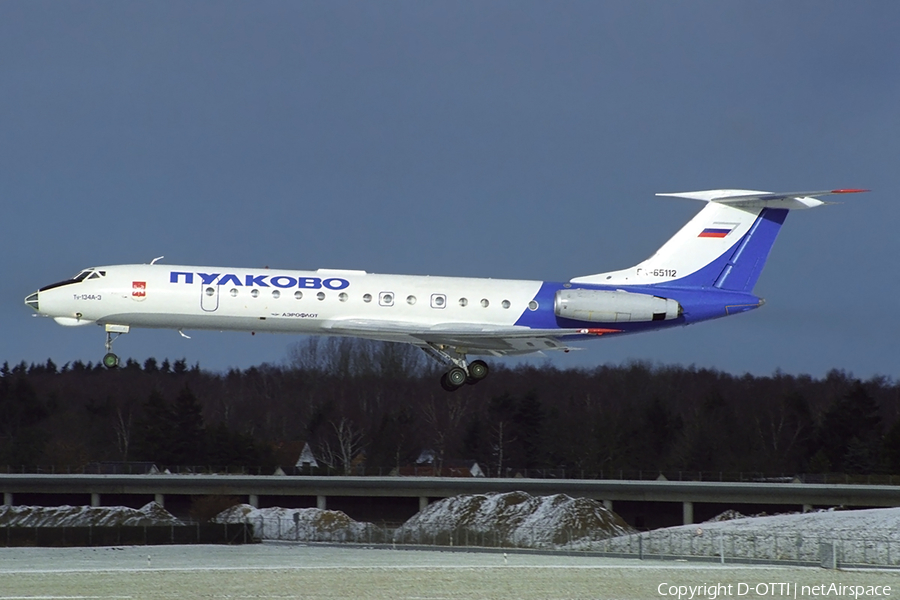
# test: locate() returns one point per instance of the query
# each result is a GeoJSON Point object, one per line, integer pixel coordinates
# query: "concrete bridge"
{"type": "Point", "coordinates": [641, 503]}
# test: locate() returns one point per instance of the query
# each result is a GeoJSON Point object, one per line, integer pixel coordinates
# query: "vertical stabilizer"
{"type": "Point", "coordinates": [724, 246]}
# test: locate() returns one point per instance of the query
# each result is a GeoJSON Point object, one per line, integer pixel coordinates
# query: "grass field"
{"type": "Point", "coordinates": [279, 570]}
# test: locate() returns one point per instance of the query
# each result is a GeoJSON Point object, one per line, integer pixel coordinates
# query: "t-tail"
{"type": "Point", "coordinates": [724, 247]}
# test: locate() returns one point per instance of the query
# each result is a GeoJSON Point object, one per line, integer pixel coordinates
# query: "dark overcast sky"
{"type": "Point", "coordinates": [496, 139]}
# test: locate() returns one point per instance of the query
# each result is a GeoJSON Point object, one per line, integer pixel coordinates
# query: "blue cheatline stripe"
{"type": "Point", "coordinates": [699, 304]}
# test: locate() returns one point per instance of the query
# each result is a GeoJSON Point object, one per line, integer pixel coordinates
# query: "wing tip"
{"type": "Point", "coordinates": [849, 191]}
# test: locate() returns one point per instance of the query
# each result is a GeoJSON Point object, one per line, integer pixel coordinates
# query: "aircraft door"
{"type": "Point", "coordinates": [209, 297]}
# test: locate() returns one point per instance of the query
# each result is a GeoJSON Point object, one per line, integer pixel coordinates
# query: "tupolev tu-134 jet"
{"type": "Point", "coordinates": [705, 271]}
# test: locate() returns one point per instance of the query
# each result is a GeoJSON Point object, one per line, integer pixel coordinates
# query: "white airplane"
{"type": "Point", "coordinates": [705, 271]}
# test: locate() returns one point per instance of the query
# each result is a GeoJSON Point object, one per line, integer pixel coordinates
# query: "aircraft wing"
{"type": "Point", "coordinates": [469, 338]}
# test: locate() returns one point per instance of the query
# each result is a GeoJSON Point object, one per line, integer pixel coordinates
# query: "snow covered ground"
{"type": "Point", "coordinates": [301, 524]}
{"type": "Point", "coordinates": [863, 537]}
{"type": "Point", "coordinates": [517, 520]}
{"type": "Point", "coordinates": [72, 516]}
{"type": "Point", "coordinates": [513, 519]}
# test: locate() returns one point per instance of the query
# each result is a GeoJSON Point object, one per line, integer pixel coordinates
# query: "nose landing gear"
{"type": "Point", "coordinates": [110, 360]}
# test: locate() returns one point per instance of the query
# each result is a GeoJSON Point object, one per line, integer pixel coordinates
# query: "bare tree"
{"type": "Point", "coordinates": [348, 443]}
{"type": "Point", "coordinates": [443, 417]}
{"type": "Point", "coordinates": [122, 427]}
{"type": "Point", "coordinates": [354, 357]}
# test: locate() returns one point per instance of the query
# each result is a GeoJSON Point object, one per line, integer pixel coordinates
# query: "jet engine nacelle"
{"type": "Point", "coordinates": [603, 306]}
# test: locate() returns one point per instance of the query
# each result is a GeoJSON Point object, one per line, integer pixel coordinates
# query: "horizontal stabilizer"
{"type": "Point", "coordinates": [758, 199]}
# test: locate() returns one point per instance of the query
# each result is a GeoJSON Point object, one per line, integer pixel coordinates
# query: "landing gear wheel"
{"type": "Point", "coordinates": [456, 376]}
{"type": "Point", "coordinates": [478, 370]}
{"type": "Point", "coordinates": [447, 385]}
{"type": "Point", "coordinates": [110, 360]}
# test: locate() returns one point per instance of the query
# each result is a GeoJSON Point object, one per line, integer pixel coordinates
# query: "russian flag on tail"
{"type": "Point", "coordinates": [715, 232]}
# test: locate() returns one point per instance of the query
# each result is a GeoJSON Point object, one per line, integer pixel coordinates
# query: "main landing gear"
{"type": "Point", "coordinates": [462, 372]}
{"type": "Point", "coordinates": [110, 360]}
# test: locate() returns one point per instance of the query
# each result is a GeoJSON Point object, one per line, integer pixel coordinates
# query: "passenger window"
{"type": "Point", "coordinates": [410, 300]}
{"type": "Point", "coordinates": [463, 302]}
{"type": "Point", "coordinates": [386, 298]}
{"type": "Point", "coordinates": [367, 297]}
{"type": "Point", "coordinates": [233, 292]}
{"type": "Point", "coordinates": [438, 301]}
{"type": "Point", "coordinates": [532, 305]}
{"type": "Point", "coordinates": [505, 304]}
{"type": "Point", "coordinates": [342, 296]}
{"type": "Point", "coordinates": [210, 291]}
{"type": "Point", "coordinates": [485, 303]}
{"type": "Point", "coordinates": [276, 294]}
{"type": "Point", "coordinates": [320, 295]}
{"type": "Point", "coordinates": [298, 294]}
{"type": "Point", "coordinates": [254, 293]}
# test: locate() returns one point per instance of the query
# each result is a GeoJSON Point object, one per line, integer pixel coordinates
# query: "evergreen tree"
{"type": "Point", "coordinates": [229, 448]}
{"type": "Point", "coordinates": [187, 429]}
{"type": "Point", "coordinates": [891, 448]}
{"type": "Point", "coordinates": [153, 431]}
{"type": "Point", "coordinates": [529, 426]}
{"type": "Point", "coordinates": [850, 432]}
{"type": "Point", "coordinates": [21, 438]}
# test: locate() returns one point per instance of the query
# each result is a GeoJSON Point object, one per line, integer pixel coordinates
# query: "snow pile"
{"type": "Point", "coordinates": [870, 536]}
{"type": "Point", "coordinates": [79, 516]}
{"type": "Point", "coordinates": [830, 524]}
{"type": "Point", "coordinates": [513, 519]}
{"type": "Point", "coordinates": [728, 515]}
{"type": "Point", "coordinates": [300, 524]}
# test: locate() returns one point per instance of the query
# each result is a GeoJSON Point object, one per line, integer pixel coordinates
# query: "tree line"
{"type": "Point", "coordinates": [373, 407]}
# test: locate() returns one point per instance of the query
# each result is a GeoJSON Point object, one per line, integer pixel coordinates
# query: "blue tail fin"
{"type": "Point", "coordinates": [749, 257]}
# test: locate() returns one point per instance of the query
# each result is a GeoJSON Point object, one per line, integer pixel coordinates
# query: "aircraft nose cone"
{"type": "Point", "coordinates": [32, 301]}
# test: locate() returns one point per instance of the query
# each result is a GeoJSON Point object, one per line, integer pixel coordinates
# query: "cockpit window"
{"type": "Point", "coordinates": [89, 274]}
{"type": "Point", "coordinates": [86, 274]}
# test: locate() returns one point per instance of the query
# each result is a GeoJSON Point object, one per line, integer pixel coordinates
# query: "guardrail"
{"type": "Point", "coordinates": [487, 472]}
{"type": "Point", "coordinates": [128, 535]}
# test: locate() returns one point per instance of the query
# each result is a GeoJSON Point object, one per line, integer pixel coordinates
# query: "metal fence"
{"type": "Point", "coordinates": [712, 546]}
{"type": "Point", "coordinates": [127, 535]}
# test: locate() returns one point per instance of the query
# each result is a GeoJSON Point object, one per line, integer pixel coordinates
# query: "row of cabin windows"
{"type": "Point", "coordinates": [384, 298]}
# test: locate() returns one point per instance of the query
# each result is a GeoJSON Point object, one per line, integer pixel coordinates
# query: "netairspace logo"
{"type": "Point", "coordinates": [713, 591]}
